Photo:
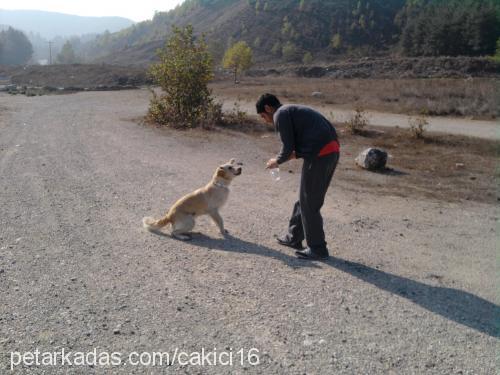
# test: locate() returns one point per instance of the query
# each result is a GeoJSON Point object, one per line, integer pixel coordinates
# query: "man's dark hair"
{"type": "Point", "coordinates": [267, 99]}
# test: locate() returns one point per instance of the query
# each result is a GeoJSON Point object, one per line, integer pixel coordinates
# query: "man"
{"type": "Point", "coordinates": [305, 133]}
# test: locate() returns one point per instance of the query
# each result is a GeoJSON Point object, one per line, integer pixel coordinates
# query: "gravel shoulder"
{"type": "Point", "coordinates": [410, 288]}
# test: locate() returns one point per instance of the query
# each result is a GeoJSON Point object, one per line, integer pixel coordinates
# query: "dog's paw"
{"type": "Point", "coordinates": [224, 232]}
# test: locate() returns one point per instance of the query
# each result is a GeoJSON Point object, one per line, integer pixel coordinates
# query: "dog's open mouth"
{"type": "Point", "coordinates": [238, 172]}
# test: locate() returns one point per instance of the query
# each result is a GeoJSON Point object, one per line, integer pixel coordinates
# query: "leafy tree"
{"type": "Point", "coordinates": [238, 58]}
{"type": "Point", "coordinates": [336, 42]}
{"type": "Point", "coordinates": [183, 73]}
{"type": "Point", "coordinates": [16, 48]}
{"type": "Point", "coordinates": [307, 59]}
{"type": "Point", "coordinates": [67, 54]}
{"type": "Point", "coordinates": [290, 51]}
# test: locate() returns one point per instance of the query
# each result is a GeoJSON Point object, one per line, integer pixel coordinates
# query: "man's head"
{"type": "Point", "coordinates": [266, 106]}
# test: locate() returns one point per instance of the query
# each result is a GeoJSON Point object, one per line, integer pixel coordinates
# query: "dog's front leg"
{"type": "Point", "coordinates": [218, 220]}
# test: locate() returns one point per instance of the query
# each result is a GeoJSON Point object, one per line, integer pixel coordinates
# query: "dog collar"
{"type": "Point", "coordinates": [220, 185]}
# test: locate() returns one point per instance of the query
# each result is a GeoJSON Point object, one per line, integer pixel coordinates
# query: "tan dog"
{"type": "Point", "coordinates": [204, 201]}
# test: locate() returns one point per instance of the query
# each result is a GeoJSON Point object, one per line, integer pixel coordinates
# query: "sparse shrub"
{"type": "Point", "coordinates": [236, 116]}
{"type": "Point", "coordinates": [358, 121]}
{"type": "Point", "coordinates": [184, 71]}
{"type": "Point", "coordinates": [418, 125]}
{"type": "Point", "coordinates": [239, 120]}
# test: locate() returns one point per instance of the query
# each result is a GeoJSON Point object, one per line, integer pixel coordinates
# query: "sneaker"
{"type": "Point", "coordinates": [297, 245]}
{"type": "Point", "coordinates": [312, 255]}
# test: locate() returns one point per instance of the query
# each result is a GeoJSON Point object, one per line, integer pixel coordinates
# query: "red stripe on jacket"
{"type": "Point", "coordinates": [330, 148]}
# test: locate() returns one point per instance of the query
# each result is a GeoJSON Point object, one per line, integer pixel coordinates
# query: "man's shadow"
{"type": "Point", "coordinates": [457, 305]}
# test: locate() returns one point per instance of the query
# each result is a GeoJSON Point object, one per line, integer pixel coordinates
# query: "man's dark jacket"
{"type": "Point", "coordinates": [303, 130]}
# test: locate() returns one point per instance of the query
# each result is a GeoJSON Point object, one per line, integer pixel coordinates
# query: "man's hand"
{"type": "Point", "coordinates": [272, 163]}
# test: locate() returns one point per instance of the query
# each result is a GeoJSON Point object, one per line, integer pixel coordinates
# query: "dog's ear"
{"type": "Point", "coordinates": [231, 161]}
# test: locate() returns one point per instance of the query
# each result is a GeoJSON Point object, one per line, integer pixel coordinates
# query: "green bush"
{"type": "Point", "coordinates": [183, 73]}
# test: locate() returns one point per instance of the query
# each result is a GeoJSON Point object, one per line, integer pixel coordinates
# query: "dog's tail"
{"type": "Point", "coordinates": [151, 223]}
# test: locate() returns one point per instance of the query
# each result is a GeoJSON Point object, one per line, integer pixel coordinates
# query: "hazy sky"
{"type": "Point", "coordinates": [135, 10]}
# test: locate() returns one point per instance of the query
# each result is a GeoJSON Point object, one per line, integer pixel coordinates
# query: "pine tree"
{"type": "Point", "coordinates": [183, 73]}
{"type": "Point", "coordinates": [16, 48]}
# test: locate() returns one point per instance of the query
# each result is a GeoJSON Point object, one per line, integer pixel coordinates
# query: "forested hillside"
{"type": "Point", "coordinates": [287, 30]}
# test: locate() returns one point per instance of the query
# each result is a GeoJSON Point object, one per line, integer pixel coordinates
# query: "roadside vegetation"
{"type": "Point", "coordinates": [418, 125]}
{"type": "Point", "coordinates": [183, 73]}
{"type": "Point", "coordinates": [358, 121]}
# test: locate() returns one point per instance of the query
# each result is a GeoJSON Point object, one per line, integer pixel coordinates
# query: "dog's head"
{"type": "Point", "coordinates": [229, 170]}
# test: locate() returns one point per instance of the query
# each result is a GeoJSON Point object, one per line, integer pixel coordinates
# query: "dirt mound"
{"type": "Point", "coordinates": [75, 75]}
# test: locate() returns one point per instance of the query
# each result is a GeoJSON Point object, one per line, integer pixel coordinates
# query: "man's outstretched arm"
{"type": "Point", "coordinates": [285, 128]}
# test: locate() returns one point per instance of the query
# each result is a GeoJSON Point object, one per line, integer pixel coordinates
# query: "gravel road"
{"type": "Point", "coordinates": [410, 288]}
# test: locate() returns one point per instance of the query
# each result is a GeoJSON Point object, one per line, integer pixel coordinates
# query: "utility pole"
{"type": "Point", "coordinates": [50, 53]}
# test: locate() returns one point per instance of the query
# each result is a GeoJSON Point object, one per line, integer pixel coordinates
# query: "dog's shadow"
{"type": "Point", "coordinates": [237, 245]}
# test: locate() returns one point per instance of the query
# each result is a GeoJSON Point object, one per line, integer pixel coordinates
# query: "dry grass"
{"type": "Point", "coordinates": [429, 166]}
{"type": "Point", "coordinates": [477, 98]}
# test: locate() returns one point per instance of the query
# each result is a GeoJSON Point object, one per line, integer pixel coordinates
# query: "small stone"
{"type": "Point", "coordinates": [307, 342]}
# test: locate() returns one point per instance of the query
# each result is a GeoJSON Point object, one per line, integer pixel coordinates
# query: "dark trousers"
{"type": "Point", "coordinates": [306, 221]}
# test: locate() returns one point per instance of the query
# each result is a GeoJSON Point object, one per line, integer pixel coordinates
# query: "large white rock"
{"type": "Point", "coordinates": [372, 159]}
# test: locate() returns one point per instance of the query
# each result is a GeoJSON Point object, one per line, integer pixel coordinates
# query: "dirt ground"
{"type": "Point", "coordinates": [410, 287]}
